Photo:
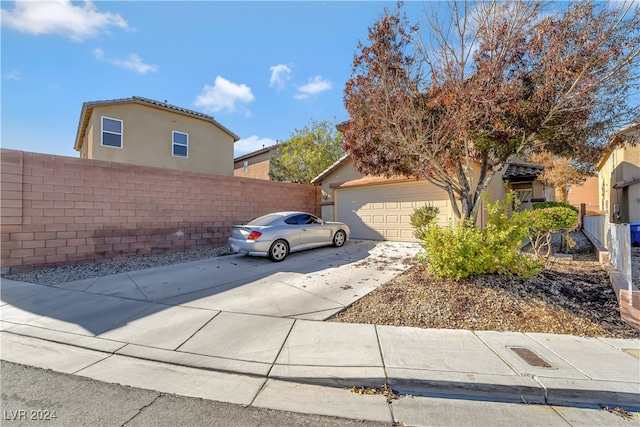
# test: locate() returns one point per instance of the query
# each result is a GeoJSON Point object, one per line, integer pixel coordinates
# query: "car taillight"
{"type": "Point", "coordinates": [254, 235]}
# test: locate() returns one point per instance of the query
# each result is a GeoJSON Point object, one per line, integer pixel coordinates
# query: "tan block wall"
{"type": "Point", "coordinates": [586, 193]}
{"type": "Point", "coordinates": [61, 210]}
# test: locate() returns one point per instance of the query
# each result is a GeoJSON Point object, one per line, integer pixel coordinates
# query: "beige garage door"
{"type": "Point", "coordinates": [382, 212]}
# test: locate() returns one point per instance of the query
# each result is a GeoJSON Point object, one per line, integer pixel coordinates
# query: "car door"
{"type": "Point", "coordinates": [312, 231]}
{"type": "Point", "coordinates": [291, 231]}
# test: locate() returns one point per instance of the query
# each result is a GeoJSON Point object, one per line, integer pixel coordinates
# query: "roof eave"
{"type": "Point", "coordinates": [330, 169]}
{"type": "Point", "coordinates": [633, 127]}
{"type": "Point", "coordinates": [256, 153]}
{"type": "Point", "coordinates": [81, 127]}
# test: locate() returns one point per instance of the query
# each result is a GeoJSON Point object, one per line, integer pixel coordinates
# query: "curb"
{"type": "Point", "coordinates": [454, 385]}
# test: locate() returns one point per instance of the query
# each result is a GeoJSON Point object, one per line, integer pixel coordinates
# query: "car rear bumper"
{"type": "Point", "coordinates": [256, 248]}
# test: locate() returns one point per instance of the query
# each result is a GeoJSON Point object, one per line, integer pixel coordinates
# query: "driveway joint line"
{"type": "Point", "coordinates": [513, 368]}
{"type": "Point", "coordinates": [109, 355]}
{"type": "Point", "coordinates": [384, 369]}
{"type": "Point", "coordinates": [66, 343]}
{"type": "Point", "coordinates": [199, 329]}
{"type": "Point", "coordinates": [275, 359]}
{"type": "Point", "coordinates": [561, 358]}
{"type": "Point", "coordinates": [264, 384]}
{"type": "Point", "coordinates": [81, 290]}
{"type": "Point", "coordinates": [138, 287]}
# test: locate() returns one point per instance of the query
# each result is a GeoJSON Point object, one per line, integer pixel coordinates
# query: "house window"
{"type": "Point", "coordinates": [246, 165]}
{"type": "Point", "coordinates": [180, 144]}
{"type": "Point", "coordinates": [111, 132]}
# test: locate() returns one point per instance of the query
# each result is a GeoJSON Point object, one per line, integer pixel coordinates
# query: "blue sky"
{"type": "Point", "coordinates": [262, 69]}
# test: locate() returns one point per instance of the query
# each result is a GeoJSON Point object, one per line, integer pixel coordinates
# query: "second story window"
{"type": "Point", "coordinates": [111, 132]}
{"type": "Point", "coordinates": [180, 144]}
{"type": "Point", "coordinates": [246, 165]}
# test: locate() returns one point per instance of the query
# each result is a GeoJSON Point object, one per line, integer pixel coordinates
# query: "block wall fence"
{"type": "Point", "coordinates": [59, 210]}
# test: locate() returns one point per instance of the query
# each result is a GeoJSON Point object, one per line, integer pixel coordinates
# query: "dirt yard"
{"type": "Point", "coordinates": [568, 297]}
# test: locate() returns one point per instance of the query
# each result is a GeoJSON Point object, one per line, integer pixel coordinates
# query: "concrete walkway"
{"type": "Point", "coordinates": [248, 331]}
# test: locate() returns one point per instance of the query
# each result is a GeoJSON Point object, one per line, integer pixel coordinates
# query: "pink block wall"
{"type": "Point", "coordinates": [61, 210]}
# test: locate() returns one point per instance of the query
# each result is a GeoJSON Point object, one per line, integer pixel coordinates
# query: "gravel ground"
{"type": "Point", "coordinates": [57, 275]}
{"type": "Point", "coordinates": [568, 297]}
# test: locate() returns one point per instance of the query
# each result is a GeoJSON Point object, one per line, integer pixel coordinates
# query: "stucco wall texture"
{"type": "Point", "coordinates": [59, 210]}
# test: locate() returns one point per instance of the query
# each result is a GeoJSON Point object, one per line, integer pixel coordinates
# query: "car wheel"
{"type": "Point", "coordinates": [339, 238]}
{"type": "Point", "coordinates": [278, 250]}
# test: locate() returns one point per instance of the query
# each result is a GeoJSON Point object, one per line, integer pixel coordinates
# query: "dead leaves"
{"type": "Point", "coordinates": [383, 390]}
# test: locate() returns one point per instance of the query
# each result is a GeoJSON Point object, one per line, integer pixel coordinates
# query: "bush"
{"type": "Point", "coordinates": [545, 205]}
{"type": "Point", "coordinates": [423, 217]}
{"type": "Point", "coordinates": [542, 222]}
{"type": "Point", "coordinates": [459, 251]}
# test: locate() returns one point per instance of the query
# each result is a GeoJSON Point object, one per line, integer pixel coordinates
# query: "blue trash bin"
{"type": "Point", "coordinates": [634, 229]}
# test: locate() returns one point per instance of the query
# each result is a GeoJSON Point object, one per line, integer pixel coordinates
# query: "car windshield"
{"type": "Point", "coordinates": [264, 220]}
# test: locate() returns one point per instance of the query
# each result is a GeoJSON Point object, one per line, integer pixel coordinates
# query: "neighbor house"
{"type": "Point", "coordinates": [146, 132]}
{"type": "Point", "coordinates": [619, 177]}
{"type": "Point", "coordinates": [585, 193]}
{"type": "Point", "coordinates": [379, 208]}
{"type": "Point", "coordinates": [256, 164]}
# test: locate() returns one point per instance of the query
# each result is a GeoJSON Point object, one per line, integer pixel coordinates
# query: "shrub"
{"type": "Point", "coordinates": [452, 251]}
{"type": "Point", "coordinates": [423, 217]}
{"type": "Point", "coordinates": [542, 222]}
{"type": "Point", "coordinates": [545, 205]}
{"type": "Point", "coordinates": [459, 251]}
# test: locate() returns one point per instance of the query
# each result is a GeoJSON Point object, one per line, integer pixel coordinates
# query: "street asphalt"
{"type": "Point", "coordinates": [248, 331]}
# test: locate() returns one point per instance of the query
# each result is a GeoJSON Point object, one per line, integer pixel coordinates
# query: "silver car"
{"type": "Point", "coordinates": [277, 234]}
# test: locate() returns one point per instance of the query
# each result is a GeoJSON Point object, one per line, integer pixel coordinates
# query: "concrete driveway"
{"type": "Point", "coordinates": [244, 330]}
{"type": "Point", "coordinates": [311, 285]}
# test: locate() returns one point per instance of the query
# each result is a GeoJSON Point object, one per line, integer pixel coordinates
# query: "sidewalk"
{"type": "Point", "coordinates": [300, 365]}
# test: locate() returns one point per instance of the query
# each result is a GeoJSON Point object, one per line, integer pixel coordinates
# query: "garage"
{"type": "Point", "coordinates": [382, 211]}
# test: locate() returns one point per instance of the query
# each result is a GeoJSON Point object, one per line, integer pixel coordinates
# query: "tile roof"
{"type": "Point", "coordinates": [626, 182]}
{"type": "Point", "coordinates": [522, 172]}
{"type": "Point", "coordinates": [257, 152]}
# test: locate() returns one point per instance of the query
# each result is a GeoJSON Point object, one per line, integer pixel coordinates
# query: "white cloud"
{"type": "Point", "coordinates": [133, 62]}
{"type": "Point", "coordinates": [223, 95]}
{"type": "Point", "coordinates": [316, 85]}
{"type": "Point", "coordinates": [14, 75]}
{"type": "Point", "coordinates": [251, 144]}
{"type": "Point", "coordinates": [280, 74]}
{"type": "Point", "coordinates": [77, 22]}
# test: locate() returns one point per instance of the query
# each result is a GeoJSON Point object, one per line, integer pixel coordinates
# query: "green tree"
{"type": "Point", "coordinates": [474, 85]}
{"type": "Point", "coordinates": [307, 153]}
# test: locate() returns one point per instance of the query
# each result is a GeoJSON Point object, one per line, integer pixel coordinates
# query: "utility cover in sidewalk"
{"type": "Point", "coordinates": [530, 357]}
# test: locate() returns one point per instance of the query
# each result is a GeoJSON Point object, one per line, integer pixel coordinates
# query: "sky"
{"type": "Point", "coordinates": [261, 69]}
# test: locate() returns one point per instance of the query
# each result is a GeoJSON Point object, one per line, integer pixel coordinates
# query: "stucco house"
{"type": "Point", "coordinates": [586, 193]}
{"type": "Point", "coordinates": [152, 133]}
{"type": "Point", "coordinates": [378, 208]}
{"type": "Point", "coordinates": [619, 177]}
{"type": "Point", "coordinates": [256, 164]}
